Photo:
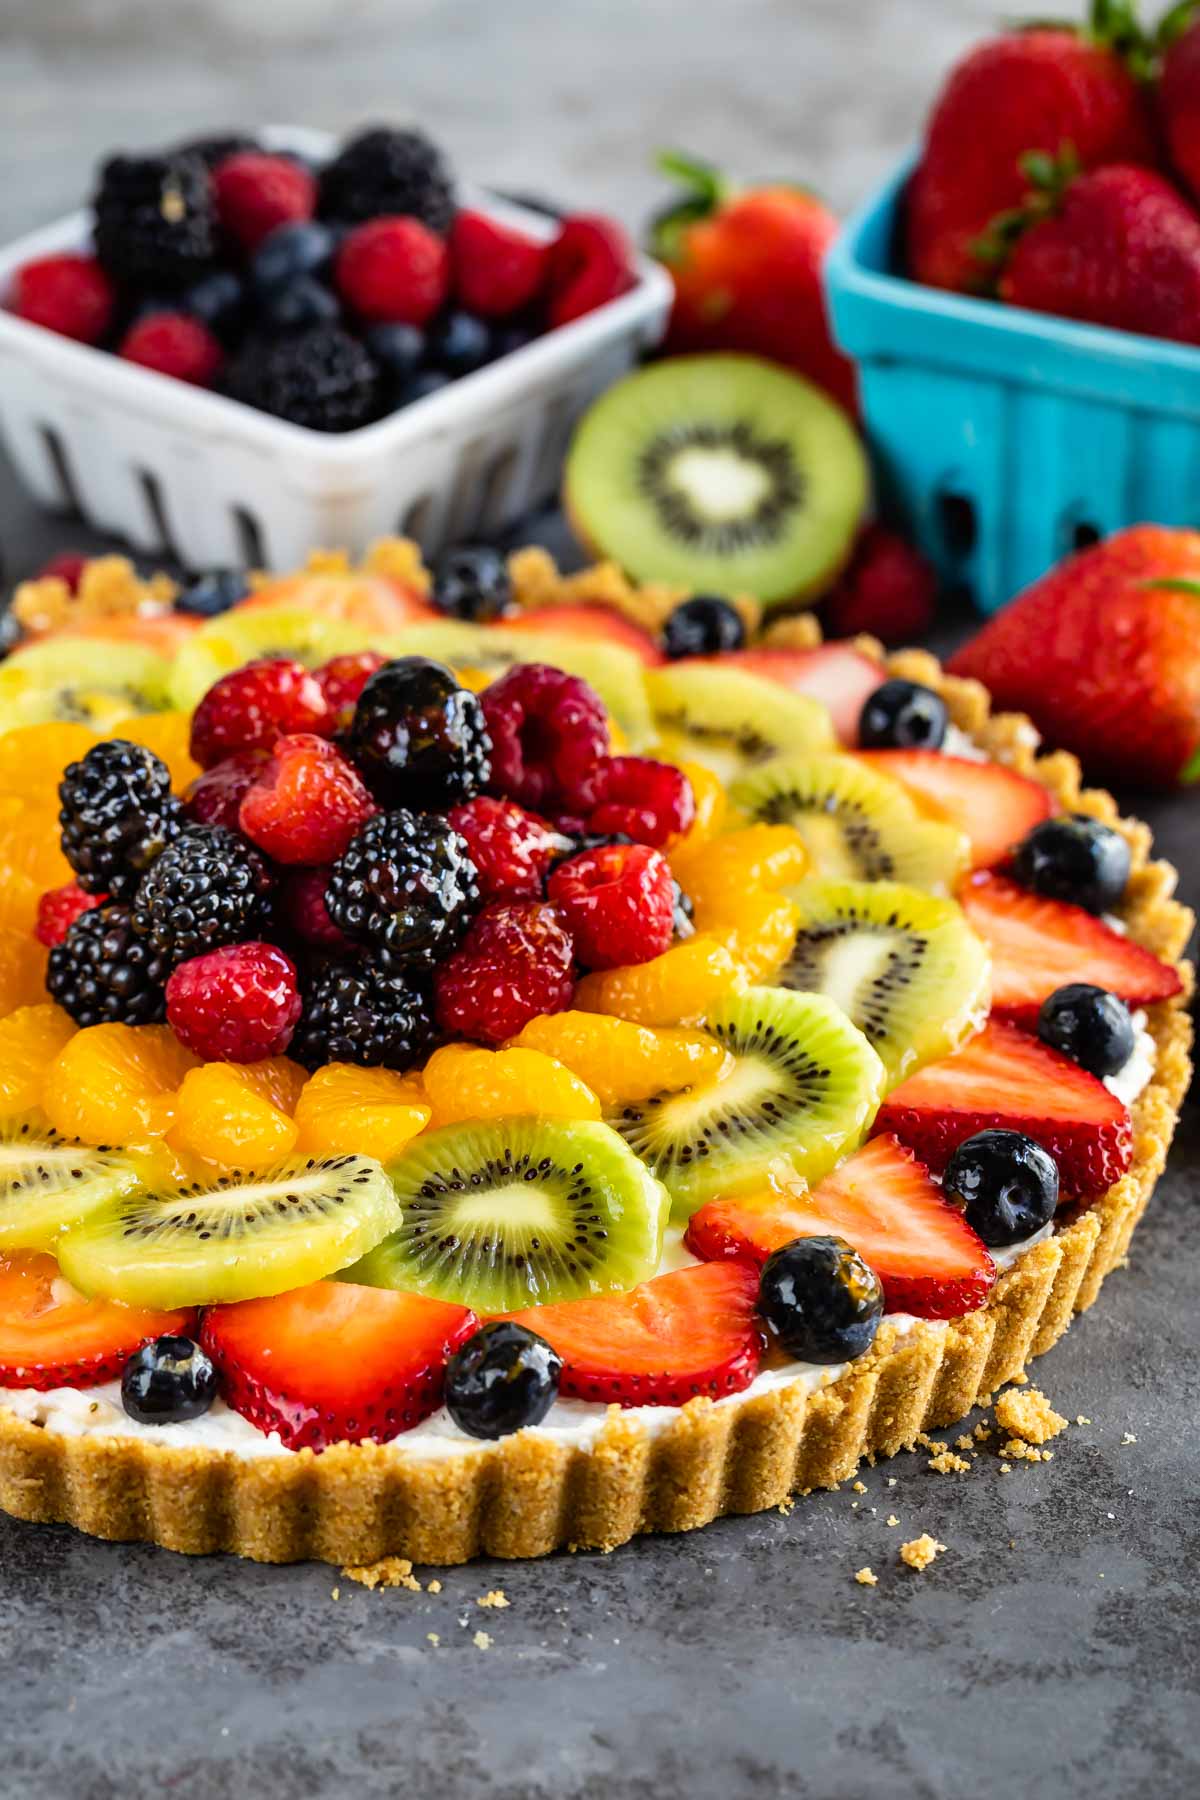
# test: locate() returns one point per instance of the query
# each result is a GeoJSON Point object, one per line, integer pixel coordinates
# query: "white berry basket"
{"type": "Point", "coordinates": [179, 471]}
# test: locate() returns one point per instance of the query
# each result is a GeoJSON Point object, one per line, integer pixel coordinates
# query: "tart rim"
{"type": "Point", "coordinates": [529, 1494]}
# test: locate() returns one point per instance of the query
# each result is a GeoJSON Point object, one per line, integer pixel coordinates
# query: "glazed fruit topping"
{"type": "Point", "coordinates": [503, 1378]}
{"type": "Point", "coordinates": [58, 909]}
{"type": "Point", "coordinates": [167, 1382]}
{"type": "Point", "coordinates": [417, 737]}
{"type": "Point", "coordinates": [209, 887]}
{"type": "Point", "coordinates": [1007, 1184]}
{"type": "Point", "coordinates": [236, 1004]}
{"type": "Point", "coordinates": [650, 801]}
{"type": "Point", "coordinates": [548, 731]}
{"type": "Point", "coordinates": [472, 582]}
{"type": "Point", "coordinates": [903, 715]}
{"type": "Point", "coordinates": [405, 884]}
{"type": "Point", "coordinates": [516, 961]}
{"type": "Point", "coordinates": [362, 1013]}
{"type": "Point", "coordinates": [342, 680]}
{"type": "Point", "coordinates": [105, 970]}
{"type": "Point", "coordinates": [306, 802]}
{"type": "Point", "coordinates": [992, 804]}
{"type": "Point", "coordinates": [705, 625]}
{"type": "Point", "coordinates": [301, 908]}
{"type": "Point", "coordinates": [216, 796]}
{"type": "Point", "coordinates": [1075, 859]}
{"type": "Point", "coordinates": [251, 707]}
{"type": "Point", "coordinates": [117, 814]}
{"type": "Point", "coordinates": [821, 1300]}
{"type": "Point", "coordinates": [52, 1337]}
{"type": "Point", "coordinates": [1089, 1025]}
{"type": "Point", "coordinates": [618, 903]}
{"type": "Point", "coordinates": [512, 849]}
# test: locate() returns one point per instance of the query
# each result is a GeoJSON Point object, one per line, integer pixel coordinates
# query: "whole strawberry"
{"type": "Point", "coordinates": [1103, 653]}
{"type": "Point", "coordinates": [1119, 246]}
{"type": "Point", "coordinates": [746, 264]}
{"type": "Point", "coordinates": [1030, 90]}
{"type": "Point", "coordinates": [1179, 91]}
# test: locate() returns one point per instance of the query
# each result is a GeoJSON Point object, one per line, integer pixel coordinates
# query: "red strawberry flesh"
{"type": "Point", "coordinates": [52, 1337]}
{"type": "Point", "coordinates": [995, 806]}
{"type": "Point", "coordinates": [837, 675]}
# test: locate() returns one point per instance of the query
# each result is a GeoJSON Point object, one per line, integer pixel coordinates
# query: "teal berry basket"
{"type": "Point", "coordinates": [1005, 439]}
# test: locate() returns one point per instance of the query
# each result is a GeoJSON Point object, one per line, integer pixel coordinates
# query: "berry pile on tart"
{"type": "Point", "coordinates": [449, 1044]}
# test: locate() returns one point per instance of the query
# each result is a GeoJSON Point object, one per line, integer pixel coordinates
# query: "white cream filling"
{"type": "Point", "coordinates": [957, 743]}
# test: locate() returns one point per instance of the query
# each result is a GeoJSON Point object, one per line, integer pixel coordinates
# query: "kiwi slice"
{"type": "Point", "coordinates": [50, 1183]}
{"type": "Point", "coordinates": [239, 637]}
{"type": "Point", "coordinates": [858, 825]}
{"type": "Point", "coordinates": [905, 966]}
{"type": "Point", "coordinates": [804, 1088]}
{"type": "Point", "coordinates": [505, 1213]}
{"type": "Point", "coordinates": [239, 1237]}
{"type": "Point", "coordinates": [732, 721]}
{"type": "Point", "coordinates": [721, 474]}
{"type": "Point", "coordinates": [85, 680]}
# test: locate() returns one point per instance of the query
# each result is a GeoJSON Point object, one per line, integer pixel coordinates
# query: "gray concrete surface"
{"type": "Point", "coordinates": [1052, 1651]}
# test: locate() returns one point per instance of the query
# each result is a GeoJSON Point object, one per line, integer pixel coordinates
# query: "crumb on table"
{"type": "Point", "coordinates": [866, 1577]}
{"type": "Point", "coordinates": [1029, 1416]}
{"type": "Point", "coordinates": [947, 1463]}
{"type": "Point", "coordinates": [388, 1572]}
{"type": "Point", "coordinates": [918, 1553]}
{"type": "Point", "coordinates": [482, 1641]}
{"type": "Point", "coordinates": [494, 1597]}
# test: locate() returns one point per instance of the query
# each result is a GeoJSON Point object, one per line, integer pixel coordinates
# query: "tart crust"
{"type": "Point", "coordinates": [529, 1494]}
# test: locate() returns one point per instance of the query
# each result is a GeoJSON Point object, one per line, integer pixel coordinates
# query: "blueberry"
{"type": "Point", "coordinates": [1074, 858]}
{"type": "Point", "coordinates": [1088, 1024]}
{"type": "Point", "coordinates": [424, 383]}
{"type": "Point", "coordinates": [472, 582]}
{"type": "Point", "coordinates": [219, 301]}
{"type": "Point", "coordinates": [289, 252]}
{"type": "Point", "coordinates": [510, 336]}
{"type": "Point", "coordinates": [459, 343]}
{"type": "Point", "coordinates": [213, 592]}
{"type": "Point", "coordinates": [167, 1382]}
{"type": "Point", "coordinates": [300, 303]}
{"type": "Point", "coordinates": [1007, 1183]}
{"type": "Point", "coordinates": [703, 626]}
{"type": "Point", "coordinates": [683, 913]}
{"type": "Point", "coordinates": [503, 1377]}
{"type": "Point", "coordinates": [903, 715]}
{"type": "Point", "coordinates": [11, 631]}
{"type": "Point", "coordinates": [822, 1301]}
{"type": "Point", "coordinates": [399, 349]}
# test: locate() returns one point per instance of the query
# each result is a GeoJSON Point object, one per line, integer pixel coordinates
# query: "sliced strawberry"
{"type": "Point", "coordinates": [1008, 1079]}
{"type": "Point", "coordinates": [837, 675]}
{"type": "Point", "coordinates": [994, 806]}
{"type": "Point", "coordinates": [691, 1332]}
{"type": "Point", "coordinates": [375, 602]}
{"type": "Point", "coordinates": [883, 1203]}
{"type": "Point", "coordinates": [1039, 945]}
{"type": "Point", "coordinates": [50, 1336]}
{"type": "Point", "coordinates": [588, 622]}
{"type": "Point", "coordinates": [335, 1363]}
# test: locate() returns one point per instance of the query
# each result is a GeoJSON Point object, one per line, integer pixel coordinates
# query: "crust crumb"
{"type": "Point", "coordinates": [482, 1641]}
{"type": "Point", "coordinates": [494, 1597]}
{"type": "Point", "coordinates": [918, 1553]}
{"type": "Point", "coordinates": [892, 1519]}
{"type": "Point", "coordinates": [947, 1463]}
{"type": "Point", "coordinates": [866, 1577]}
{"type": "Point", "coordinates": [335, 1593]}
{"type": "Point", "coordinates": [435, 1586]}
{"type": "Point", "coordinates": [982, 1433]}
{"type": "Point", "coordinates": [858, 1488]}
{"type": "Point", "coordinates": [1128, 1438]}
{"type": "Point", "coordinates": [1081, 1419]}
{"type": "Point", "coordinates": [388, 1572]}
{"type": "Point", "coordinates": [891, 1481]}
{"type": "Point", "coordinates": [432, 1637]}
{"type": "Point", "coordinates": [1019, 1379]}
{"type": "Point", "coordinates": [965, 1442]}
{"type": "Point", "coordinates": [1020, 1451]}
{"type": "Point", "coordinates": [1029, 1416]}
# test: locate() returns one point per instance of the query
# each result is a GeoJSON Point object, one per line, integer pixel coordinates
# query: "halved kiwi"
{"type": "Point", "coordinates": [49, 1183]}
{"type": "Point", "coordinates": [905, 966]}
{"type": "Point", "coordinates": [85, 680]}
{"type": "Point", "coordinates": [858, 825]}
{"type": "Point", "coordinates": [724, 474]}
{"type": "Point", "coordinates": [804, 1088]}
{"type": "Point", "coordinates": [731, 721]}
{"type": "Point", "coordinates": [238, 1237]}
{"type": "Point", "coordinates": [240, 637]}
{"type": "Point", "coordinates": [512, 1212]}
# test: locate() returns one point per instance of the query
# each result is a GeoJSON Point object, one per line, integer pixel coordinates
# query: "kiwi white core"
{"type": "Point", "coordinates": [718, 481]}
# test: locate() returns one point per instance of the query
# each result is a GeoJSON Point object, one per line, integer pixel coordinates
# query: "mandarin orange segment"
{"type": "Point", "coordinates": [676, 988]}
{"type": "Point", "coordinates": [30, 1039]}
{"type": "Point", "coordinates": [167, 734]}
{"type": "Point", "coordinates": [757, 928]}
{"type": "Point", "coordinates": [19, 897]}
{"type": "Point", "coordinates": [464, 1082]}
{"type": "Point", "coordinates": [224, 1117]}
{"type": "Point", "coordinates": [33, 757]}
{"type": "Point", "coordinates": [344, 1110]}
{"type": "Point", "coordinates": [22, 970]}
{"type": "Point", "coordinates": [277, 1079]}
{"type": "Point", "coordinates": [623, 1062]}
{"type": "Point", "coordinates": [709, 795]}
{"type": "Point", "coordinates": [759, 856]}
{"type": "Point", "coordinates": [29, 842]}
{"type": "Point", "coordinates": [116, 1084]}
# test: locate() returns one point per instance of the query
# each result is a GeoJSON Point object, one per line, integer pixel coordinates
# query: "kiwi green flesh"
{"type": "Point", "coordinates": [856, 825]}
{"type": "Point", "coordinates": [904, 966]}
{"type": "Point", "coordinates": [235, 1238]}
{"type": "Point", "coordinates": [81, 680]}
{"type": "Point", "coordinates": [803, 1091]}
{"type": "Point", "coordinates": [506, 1213]}
{"type": "Point", "coordinates": [720, 474]}
{"type": "Point", "coordinates": [241, 637]}
{"type": "Point", "coordinates": [49, 1183]}
{"type": "Point", "coordinates": [732, 721]}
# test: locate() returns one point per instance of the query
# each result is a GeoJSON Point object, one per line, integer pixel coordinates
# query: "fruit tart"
{"type": "Point", "coordinates": [473, 1088]}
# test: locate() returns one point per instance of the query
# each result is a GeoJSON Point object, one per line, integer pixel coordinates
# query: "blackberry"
{"type": "Point", "coordinates": [117, 814]}
{"type": "Point", "coordinates": [104, 973]}
{"type": "Point", "coordinates": [155, 221]}
{"type": "Point", "coordinates": [321, 378]}
{"type": "Point", "coordinates": [406, 883]}
{"type": "Point", "coordinates": [208, 888]}
{"type": "Point", "coordinates": [217, 146]}
{"type": "Point", "coordinates": [388, 171]}
{"type": "Point", "coordinates": [417, 737]}
{"type": "Point", "coordinates": [472, 582]}
{"type": "Point", "coordinates": [361, 1013]}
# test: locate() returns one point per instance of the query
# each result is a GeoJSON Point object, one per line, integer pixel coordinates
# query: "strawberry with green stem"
{"type": "Point", "coordinates": [1179, 90]}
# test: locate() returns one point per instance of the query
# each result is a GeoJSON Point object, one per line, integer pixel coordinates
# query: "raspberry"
{"type": "Point", "coordinates": [360, 1013]}
{"type": "Point", "coordinates": [888, 590]}
{"type": "Point", "coordinates": [104, 973]}
{"type": "Point", "coordinates": [406, 884]}
{"type": "Point", "coordinates": [303, 910]}
{"type": "Point", "coordinates": [58, 910]}
{"type": "Point", "coordinates": [255, 192]}
{"type": "Point", "coordinates": [173, 344]}
{"type": "Point", "coordinates": [650, 801]}
{"type": "Point", "coordinates": [251, 707]}
{"type": "Point", "coordinates": [512, 849]}
{"type": "Point", "coordinates": [206, 889]}
{"type": "Point", "coordinates": [548, 730]}
{"type": "Point", "coordinates": [419, 739]}
{"type": "Point", "coordinates": [343, 680]}
{"type": "Point", "coordinates": [117, 814]}
{"type": "Point", "coordinates": [591, 261]}
{"type": "Point", "coordinates": [68, 294]}
{"type": "Point", "coordinates": [306, 803]}
{"type": "Point", "coordinates": [497, 270]}
{"type": "Point", "coordinates": [156, 227]}
{"type": "Point", "coordinates": [321, 378]}
{"type": "Point", "coordinates": [393, 269]}
{"type": "Point", "coordinates": [618, 902]}
{"type": "Point", "coordinates": [236, 1004]}
{"type": "Point", "coordinates": [215, 797]}
{"type": "Point", "coordinates": [67, 566]}
{"type": "Point", "coordinates": [515, 963]}
{"type": "Point", "coordinates": [386, 171]}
